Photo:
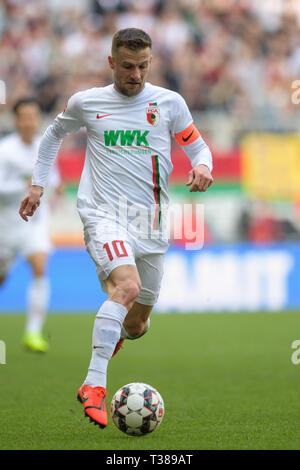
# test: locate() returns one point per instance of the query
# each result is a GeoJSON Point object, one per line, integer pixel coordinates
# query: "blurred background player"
{"type": "Point", "coordinates": [18, 153]}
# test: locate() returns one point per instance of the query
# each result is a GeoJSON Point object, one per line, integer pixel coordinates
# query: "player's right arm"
{"type": "Point", "coordinates": [65, 123]}
{"type": "Point", "coordinates": [31, 202]}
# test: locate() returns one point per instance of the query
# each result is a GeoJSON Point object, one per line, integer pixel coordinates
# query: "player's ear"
{"type": "Point", "coordinates": [111, 62]}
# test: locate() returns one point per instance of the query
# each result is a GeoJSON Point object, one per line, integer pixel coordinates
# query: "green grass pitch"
{"type": "Point", "coordinates": [227, 381]}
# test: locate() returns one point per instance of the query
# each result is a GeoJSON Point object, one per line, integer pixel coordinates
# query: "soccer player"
{"type": "Point", "coordinates": [18, 153]}
{"type": "Point", "coordinates": [127, 166]}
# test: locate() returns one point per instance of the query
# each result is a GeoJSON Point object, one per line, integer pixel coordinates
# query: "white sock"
{"type": "Point", "coordinates": [38, 299]}
{"type": "Point", "coordinates": [125, 335]}
{"type": "Point", "coordinates": [106, 334]}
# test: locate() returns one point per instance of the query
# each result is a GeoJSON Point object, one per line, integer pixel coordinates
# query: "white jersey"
{"type": "Point", "coordinates": [17, 160]}
{"type": "Point", "coordinates": [16, 164]}
{"type": "Point", "coordinates": [128, 155]}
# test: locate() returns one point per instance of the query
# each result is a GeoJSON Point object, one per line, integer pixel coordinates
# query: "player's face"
{"type": "Point", "coordinates": [130, 69]}
{"type": "Point", "coordinates": [27, 120]}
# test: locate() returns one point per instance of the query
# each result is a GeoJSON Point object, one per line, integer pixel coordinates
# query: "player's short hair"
{"type": "Point", "coordinates": [132, 38]}
{"type": "Point", "coordinates": [27, 100]}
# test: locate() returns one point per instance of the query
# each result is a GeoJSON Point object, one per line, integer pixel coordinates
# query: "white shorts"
{"type": "Point", "coordinates": [20, 237]}
{"type": "Point", "coordinates": [111, 246]}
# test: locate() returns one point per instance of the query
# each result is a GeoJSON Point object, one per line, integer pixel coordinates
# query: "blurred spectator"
{"type": "Point", "coordinates": [234, 62]}
{"type": "Point", "coordinates": [237, 56]}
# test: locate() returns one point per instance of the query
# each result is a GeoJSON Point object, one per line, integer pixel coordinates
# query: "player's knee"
{"type": "Point", "coordinates": [128, 290]}
{"type": "Point", "coordinates": [2, 279]}
{"type": "Point", "coordinates": [39, 270]}
{"type": "Point", "coordinates": [38, 264]}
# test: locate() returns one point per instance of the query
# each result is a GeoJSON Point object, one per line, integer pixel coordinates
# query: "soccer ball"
{"type": "Point", "coordinates": [137, 409]}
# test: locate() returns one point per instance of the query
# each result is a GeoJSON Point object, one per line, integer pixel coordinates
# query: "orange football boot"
{"type": "Point", "coordinates": [94, 402]}
{"type": "Point", "coordinates": [118, 346]}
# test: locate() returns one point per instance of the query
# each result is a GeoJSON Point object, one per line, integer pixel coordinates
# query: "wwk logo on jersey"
{"type": "Point", "coordinates": [126, 138]}
{"type": "Point", "coordinates": [153, 114]}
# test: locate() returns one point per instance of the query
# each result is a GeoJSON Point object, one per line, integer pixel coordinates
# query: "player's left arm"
{"type": "Point", "coordinates": [193, 145]}
{"type": "Point", "coordinates": [189, 139]}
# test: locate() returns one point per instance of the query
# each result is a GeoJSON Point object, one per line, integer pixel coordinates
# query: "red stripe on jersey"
{"type": "Point", "coordinates": [156, 190]}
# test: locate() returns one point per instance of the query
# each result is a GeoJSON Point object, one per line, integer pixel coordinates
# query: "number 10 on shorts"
{"type": "Point", "coordinates": [116, 246]}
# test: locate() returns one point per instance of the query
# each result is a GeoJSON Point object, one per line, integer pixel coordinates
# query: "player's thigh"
{"type": "Point", "coordinates": [110, 249]}
{"type": "Point", "coordinates": [7, 258]}
{"type": "Point", "coordinates": [150, 268]}
{"type": "Point", "coordinates": [8, 252]}
{"type": "Point", "coordinates": [122, 276]}
{"type": "Point", "coordinates": [36, 246]}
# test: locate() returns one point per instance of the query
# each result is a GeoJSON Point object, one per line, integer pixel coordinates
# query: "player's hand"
{"type": "Point", "coordinates": [199, 178]}
{"type": "Point", "coordinates": [31, 202]}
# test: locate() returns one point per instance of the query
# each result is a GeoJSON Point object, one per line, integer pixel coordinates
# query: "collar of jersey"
{"type": "Point", "coordinates": [131, 98]}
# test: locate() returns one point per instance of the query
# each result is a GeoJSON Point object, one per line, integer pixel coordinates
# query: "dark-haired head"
{"type": "Point", "coordinates": [24, 101]}
{"type": "Point", "coordinates": [27, 117]}
{"type": "Point", "coordinates": [130, 60]}
{"type": "Point", "coordinates": [132, 38]}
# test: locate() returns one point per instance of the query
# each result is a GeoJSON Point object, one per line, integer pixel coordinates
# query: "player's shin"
{"type": "Point", "coordinates": [38, 299]}
{"type": "Point", "coordinates": [106, 334]}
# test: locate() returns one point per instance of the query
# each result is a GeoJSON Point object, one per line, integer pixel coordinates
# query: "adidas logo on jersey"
{"type": "Point", "coordinates": [126, 138]}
